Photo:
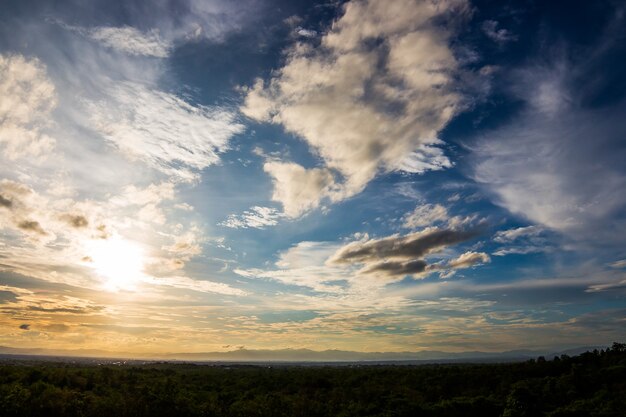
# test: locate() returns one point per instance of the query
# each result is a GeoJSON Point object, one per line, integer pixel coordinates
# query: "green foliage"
{"type": "Point", "coordinates": [592, 384]}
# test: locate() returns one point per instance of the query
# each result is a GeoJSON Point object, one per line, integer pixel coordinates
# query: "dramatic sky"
{"type": "Point", "coordinates": [202, 175]}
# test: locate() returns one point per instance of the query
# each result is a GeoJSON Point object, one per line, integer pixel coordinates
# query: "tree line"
{"type": "Point", "coordinates": [590, 384]}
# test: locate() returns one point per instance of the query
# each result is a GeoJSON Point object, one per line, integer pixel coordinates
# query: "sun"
{"type": "Point", "coordinates": [119, 261]}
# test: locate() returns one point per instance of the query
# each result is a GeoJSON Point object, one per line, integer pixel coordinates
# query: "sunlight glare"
{"type": "Point", "coordinates": [119, 261]}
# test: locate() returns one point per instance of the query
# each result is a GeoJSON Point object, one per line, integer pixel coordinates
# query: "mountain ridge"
{"type": "Point", "coordinates": [301, 355]}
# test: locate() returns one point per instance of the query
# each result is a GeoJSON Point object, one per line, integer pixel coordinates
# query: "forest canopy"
{"type": "Point", "coordinates": [591, 384]}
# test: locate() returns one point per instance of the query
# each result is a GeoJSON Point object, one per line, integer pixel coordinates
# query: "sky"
{"type": "Point", "coordinates": [406, 175]}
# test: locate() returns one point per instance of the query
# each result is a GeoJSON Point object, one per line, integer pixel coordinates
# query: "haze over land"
{"type": "Point", "coordinates": [184, 177]}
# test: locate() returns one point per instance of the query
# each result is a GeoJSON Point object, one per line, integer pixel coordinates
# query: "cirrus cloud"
{"type": "Point", "coordinates": [131, 41]}
{"type": "Point", "coordinates": [163, 130]}
{"type": "Point", "coordinates": [257, 217]}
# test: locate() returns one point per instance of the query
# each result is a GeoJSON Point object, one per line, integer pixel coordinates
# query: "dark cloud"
{"type": "Point", "coordinates": [102, 232]}
{"type": "Point", "coordinates": [418, 266]}
{"type": "Point", "coordinates": [5, 202]}
{"type": "Point", "coordinates": [75, 220]}
{"type": "Point", "coordinates": [31, 226]}
{"type": "Point", "coordinates": [412, 246]}
{"type": "Point", "coordinates": [397, 268]}
{"type": "Point", "coordinates": [397, 256]}
{"type": "Point", "coordinates": [7, 296]}
{"type": "Point", "coordinates": [25, 326]}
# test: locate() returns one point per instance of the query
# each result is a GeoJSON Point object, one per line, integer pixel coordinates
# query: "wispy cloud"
{"type": "Point", "coordinates": [543, 168]}
{"type": "Point", "coordinates": [131, 41]}
{"type": "Point", "coordinates": [522, 241]}
{"type": "Point", "coordinates": [428, 156]}
{"type": "Point", "coordinates": [306, 33]}
{"type": "Point", "coordinates": [154, 29]}
{"type": "Point", "coordinates": [619, 264]}
{"type": "Point", "coordinates": [257, 217]}
{"type": "Point", "coordinates": [303, 265]}
{"type": "Point", "coordinates": [510, 235]}
{"type": "Point", "coordinates": [196, 285]}
{"type": "Point", "coordinates": [499, 35]}
{"type": "Point", "coordinates": [163, 130]}
{"type": "Point", "coordinates": [425, 215]}
{"type": "Point", "coordinates": [125, 39]}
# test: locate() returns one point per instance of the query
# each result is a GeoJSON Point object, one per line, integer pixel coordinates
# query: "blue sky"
{"type": "Point", "coordinates": [188, 176]}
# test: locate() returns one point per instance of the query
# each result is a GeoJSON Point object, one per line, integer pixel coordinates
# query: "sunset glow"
{"type": "Point", "coordinates": [118, 261]}
{"type": "Point", "coordinates": [357, 175]}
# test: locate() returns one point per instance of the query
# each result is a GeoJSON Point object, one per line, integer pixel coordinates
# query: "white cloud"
{"type": "Point", "coordinates": [469, 259]}
{"type": "Point", "coordinates": [163, 130]}
{"type": "Point", "coordinates": [306, 33]}
{"type": "Point", "coordinates": [510, 235]}
{"type": "Point", "coordinates": [520, 250]}
{"type": "Point", "coordinates": [129, 40]}
{"type": "Point", "coordinates": [367, 107]}
{"type": "Point", "coordinates": [152, 194]}
{"type": "Point", "coordinates": [427, 157]}
{"type": "Point", "coordinates": [425, 215]}
{"type": "Point", "coordinates": [464, 261]}
{"type": "Point", "coordinates": [297, 188]}
{"type": "Point", "coordinates": [257, 217]}
{"type": "Point", "coordinates": [522, 241]}
{"type": "Point", "coordinates": [28, 98]}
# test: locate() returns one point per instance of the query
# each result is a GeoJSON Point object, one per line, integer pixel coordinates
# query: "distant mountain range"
{"type": "Point", "coordinates": [305, 355]}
